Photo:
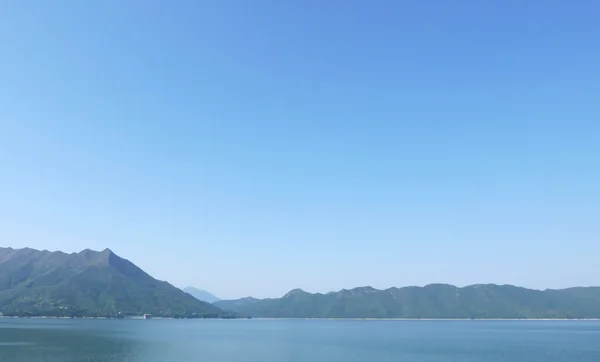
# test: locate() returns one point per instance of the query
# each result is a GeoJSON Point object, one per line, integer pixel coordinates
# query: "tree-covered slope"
{"type": "Point", "coordinates": [431, 301]}
{"type": "Point", "coordinates": [88, 283]}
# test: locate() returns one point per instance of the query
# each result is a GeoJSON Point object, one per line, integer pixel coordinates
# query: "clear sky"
{"type": "Point", "coordinates": [253, 147]}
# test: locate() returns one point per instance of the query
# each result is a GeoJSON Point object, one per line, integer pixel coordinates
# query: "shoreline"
{"type": "Point", "coordinates": [435, 319]}
{"type": "Point", "coordinates": [318, 319]}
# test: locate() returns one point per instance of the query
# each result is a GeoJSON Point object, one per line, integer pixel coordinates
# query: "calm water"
{"type": "Point", "coordinates": [29, 340]}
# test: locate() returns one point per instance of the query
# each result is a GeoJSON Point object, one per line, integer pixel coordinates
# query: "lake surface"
{"type": "Point", "coordinates": [51, 340]}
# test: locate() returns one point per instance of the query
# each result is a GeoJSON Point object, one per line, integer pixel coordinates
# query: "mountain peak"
{"type": "Point", "coordinates": [201, 294]}
{"type": "Point", "coordinates": [294, 292]}
{"type": "Point", "coordinates": [357, 291]}
{"type": "Point", "coordinates": [104, 257]}
{"type": "Point", "coordinates": [367, 289]}
{"type": "Point", "coordinates": [106, 251]}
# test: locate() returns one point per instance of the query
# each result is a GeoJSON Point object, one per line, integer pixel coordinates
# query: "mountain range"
{"type": "Point", "coordinates": [102, 284]}
{"type": "Point", "coordinates": [88, 283]}
{"type": "Point", "coordinates": [431, 301]}
{"type": "Point", "coordinates": [201, 294]}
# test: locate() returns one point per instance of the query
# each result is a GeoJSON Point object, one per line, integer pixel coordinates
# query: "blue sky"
{"type": "Point", "coordinates": [252, 147]}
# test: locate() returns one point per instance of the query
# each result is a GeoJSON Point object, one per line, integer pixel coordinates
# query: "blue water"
{"type": "Point", "coordinates": [36, 340]}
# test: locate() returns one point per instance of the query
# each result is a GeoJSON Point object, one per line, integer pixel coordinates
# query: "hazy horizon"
{"type": "Point", "coordinates": [251, 150]}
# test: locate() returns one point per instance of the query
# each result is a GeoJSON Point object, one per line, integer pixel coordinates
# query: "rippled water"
{"type": "Point", "coordinates": [36, 340]}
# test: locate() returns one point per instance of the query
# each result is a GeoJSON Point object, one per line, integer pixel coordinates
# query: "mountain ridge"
{"type": "Point", "coordinates": [434, 300]}
{"type": "Point", "coordinates": [88, 283]}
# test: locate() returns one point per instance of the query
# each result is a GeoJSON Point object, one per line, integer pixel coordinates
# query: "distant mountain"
{"type": "Point", "coordinates": [201, 294]}
{"type": "Point", "coordinates": [431, 301]}
{"type": "Point", "coordinates": [88, 283]}
{"type": "Point", "coordinates": [235, 303]}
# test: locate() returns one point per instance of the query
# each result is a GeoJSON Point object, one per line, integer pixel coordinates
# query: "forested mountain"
{"type": "Point", "coordinates": [431, 301]}
{"type": "Point", "coordinates": [88, 283]}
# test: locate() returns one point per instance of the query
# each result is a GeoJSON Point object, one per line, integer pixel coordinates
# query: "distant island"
{"type": "Point", "coordinates": [90, 283]}
{"type": "Point", "coordinates": [434, 301]}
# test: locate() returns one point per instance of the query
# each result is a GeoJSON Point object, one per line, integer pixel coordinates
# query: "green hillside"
{"type": "Point", "coordinates": [431, 301]}
{"type": "Point", "coordinates": [88, 283]}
